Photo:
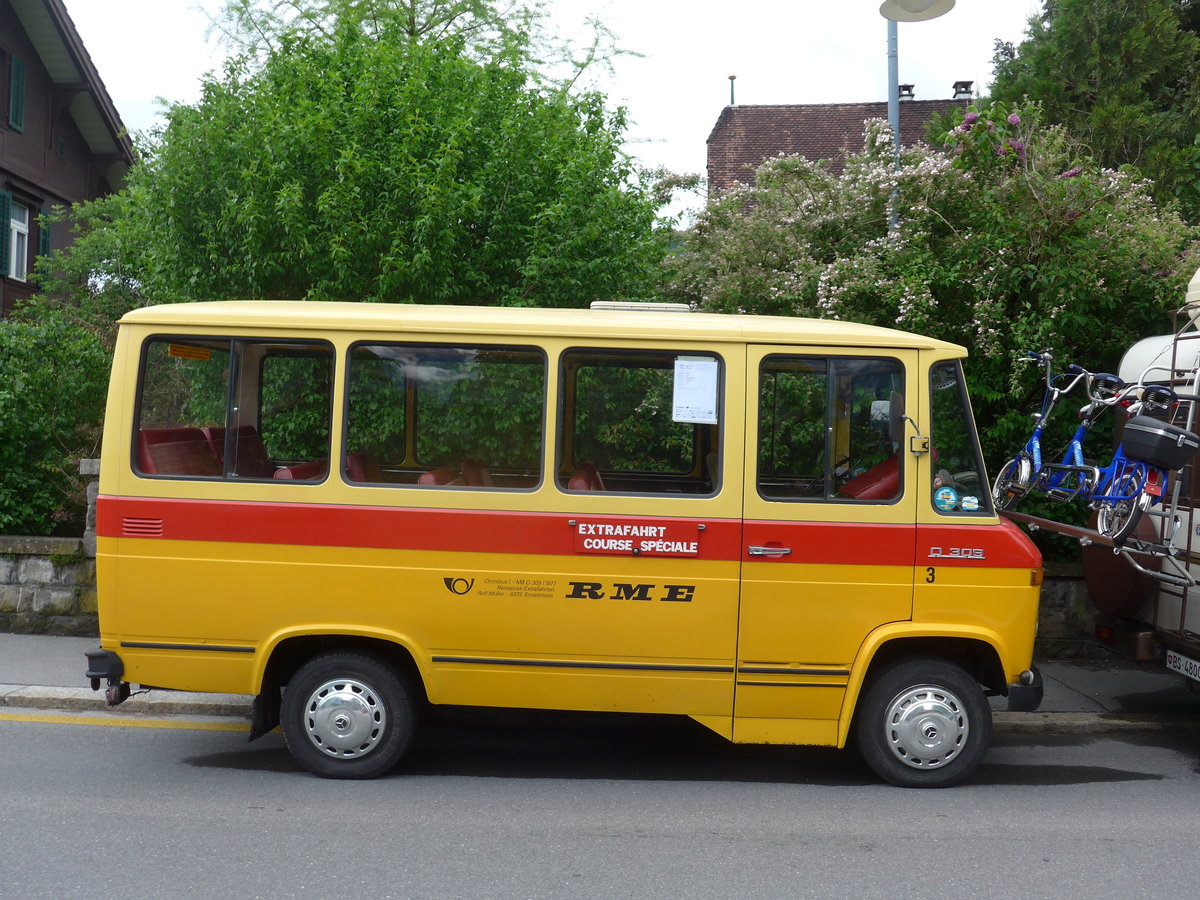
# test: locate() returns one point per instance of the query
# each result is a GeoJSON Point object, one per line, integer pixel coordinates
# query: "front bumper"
{"type": "Point", "coordinates": [1026, 694]}
{"type": "Point", "coordinates": [104, 665]}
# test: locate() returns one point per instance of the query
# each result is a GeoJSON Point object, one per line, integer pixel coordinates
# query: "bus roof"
{"type": "Point", "coordinates": [517, 321]}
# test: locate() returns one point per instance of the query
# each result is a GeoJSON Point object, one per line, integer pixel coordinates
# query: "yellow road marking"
{"type": "Point", "coordinates": [125, 722]}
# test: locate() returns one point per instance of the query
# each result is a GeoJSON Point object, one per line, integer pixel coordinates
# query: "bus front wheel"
{"type": "Point", "coordinates": [347, 715]}
{"type": "Point", "coordinates": [924, 723]}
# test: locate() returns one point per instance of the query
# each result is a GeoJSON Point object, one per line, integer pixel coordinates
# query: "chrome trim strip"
{"type": "Point", "coordinates": [820, 684]}
{"type": "Point", "coordinates": [783, 670]}
{"type": "Point", "coordinates": [215, 648]}
{"type": "Point", "coordinates": [579, 664]}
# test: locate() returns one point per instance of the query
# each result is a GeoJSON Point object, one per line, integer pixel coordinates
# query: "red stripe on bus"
{"type": "Point", "coordinates": [374, 527]}
{"type": "Point", "coordinates": [1002, 546]}
{"type": "Point", "coordinates": [834, 543]}
{"type": "Point", "coordinates": [506, 531]}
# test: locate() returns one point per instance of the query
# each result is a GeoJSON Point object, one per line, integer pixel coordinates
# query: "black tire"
{"type": "Point", "coordinates": [348, 715]}
{"type": "Point", "coordinates": [923, 723]}
{"type": "Point", "coordinates": [1120, 519]}
{"type": "Point", "coordinates": [1012, 482]}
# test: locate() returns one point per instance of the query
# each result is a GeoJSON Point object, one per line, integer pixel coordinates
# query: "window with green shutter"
{"type": "Point", "coordinates": [5, 229]}
{"type": "Point", "coordinates": [16, 94]}
{"type": "Point", "coordinates": [44, 233]}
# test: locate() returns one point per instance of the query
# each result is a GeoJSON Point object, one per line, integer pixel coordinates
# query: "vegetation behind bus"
{"type": "Point", "coordinates": [360, 160]}
{"type": "Point", "coordinates": [1124, 78]}
{"type": "Point", "coordinates": [1008, 237]}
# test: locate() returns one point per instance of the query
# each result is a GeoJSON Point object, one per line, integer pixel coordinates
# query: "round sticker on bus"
{"type": "Point", "coordinates": [945, 499]}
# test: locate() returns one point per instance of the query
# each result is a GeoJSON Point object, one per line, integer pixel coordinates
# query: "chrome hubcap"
{"type": "Point", "coordinates": [345, 718]}
{"type": "Point", "coordinates": [926, 726]}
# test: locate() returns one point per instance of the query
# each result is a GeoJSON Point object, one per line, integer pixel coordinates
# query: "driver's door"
{"type": "Point", "coordinates": [829, 535]}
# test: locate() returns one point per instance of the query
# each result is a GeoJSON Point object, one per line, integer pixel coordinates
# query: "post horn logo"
{"type": "Point", "coordinates": [459, 586]}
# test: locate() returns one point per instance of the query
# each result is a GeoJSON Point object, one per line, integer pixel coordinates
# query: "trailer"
{"type": "Point", "coordinates": [1147, 594]}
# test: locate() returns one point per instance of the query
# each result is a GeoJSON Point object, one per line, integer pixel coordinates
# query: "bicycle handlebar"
{"type": "Point", "coordinates": [1099, 386]}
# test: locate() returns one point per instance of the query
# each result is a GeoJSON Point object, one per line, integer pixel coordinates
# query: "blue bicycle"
{"type": "Point", "coordinates": [1136, 477]}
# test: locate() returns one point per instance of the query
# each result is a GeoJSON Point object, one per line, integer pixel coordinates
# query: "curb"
{"type": "Point", "coordinates": [151, 703]}
{"type": "Point", "coordinates": [1050, 723]}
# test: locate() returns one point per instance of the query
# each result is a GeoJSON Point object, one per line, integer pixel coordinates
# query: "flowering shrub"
{"type": "Point", "coordinates": [1003, 236]}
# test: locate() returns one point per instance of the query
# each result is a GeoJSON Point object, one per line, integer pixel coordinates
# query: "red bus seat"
{"type": "Point", "coordinates": [306, 471]}
{"type": "Point", "coordinates": [586, 477]}
{"type": "Point", "coordinates": [880, 482]}
{"type": "Point", "coordinates": [475, 474]}
{"type": "Point", "coordinates": [151, 460]}
{"type": "Point", "coordinates": [251, 456]}
{"type": "Point", "coordinates": [443, 475]}
{"type": "Point", "coordinates": [184, 458]}
{"type": "Point", "coordinates": [362, 468]}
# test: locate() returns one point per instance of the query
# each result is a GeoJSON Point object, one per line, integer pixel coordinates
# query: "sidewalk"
{"type": "Point", "coordinates": [45, 672]}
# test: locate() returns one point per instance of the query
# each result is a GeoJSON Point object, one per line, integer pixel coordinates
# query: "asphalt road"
{"type": "Point", "coordinates": [529, 805]}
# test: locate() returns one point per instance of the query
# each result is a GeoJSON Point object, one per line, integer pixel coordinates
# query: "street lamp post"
{"type": "Point", "coordinates": [904, 11]}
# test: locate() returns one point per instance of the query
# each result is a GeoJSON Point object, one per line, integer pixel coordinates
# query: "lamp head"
{"type": "Point", "coordinates": [914, 10]}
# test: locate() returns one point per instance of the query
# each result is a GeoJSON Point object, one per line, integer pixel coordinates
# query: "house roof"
{"type": "Point", "coordinates": [61, 51]}
{"type": "Point", "coordinates": [744, 136]}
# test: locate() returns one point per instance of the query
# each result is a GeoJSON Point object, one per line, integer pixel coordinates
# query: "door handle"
{"type": "Point", "coordinates": [755, 550]}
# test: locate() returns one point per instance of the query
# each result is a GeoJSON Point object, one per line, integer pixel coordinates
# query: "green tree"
{"type": "Point", "coordinates": [55, 354]}
{"type": "Point", "coordinates": [486, 28]}
{"type": "Point", "coordinates": [1008, 239]}
{"type": "Point", "coordinates": [54, 382]}
{"type": "Point", "coordinates": [1124, 78]}
{"type": "Point", "coordinates": [265, 26]}
{"type": "Point", "coordinates": [356, 155]}
{"type": "Point", "coordinates": [359, 168]}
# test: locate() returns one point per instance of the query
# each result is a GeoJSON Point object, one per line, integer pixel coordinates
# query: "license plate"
{"type": "Point", "coordinates": [1183, 665]}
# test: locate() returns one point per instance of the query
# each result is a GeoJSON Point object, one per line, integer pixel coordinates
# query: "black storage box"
{"type": "Point", "coordinates": [1158, 443]}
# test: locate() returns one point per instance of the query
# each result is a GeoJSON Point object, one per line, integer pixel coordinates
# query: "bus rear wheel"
{"type": "Point", "coordinates": [347, 715]}
{"type": "Point", "coordinates": [924, 723]}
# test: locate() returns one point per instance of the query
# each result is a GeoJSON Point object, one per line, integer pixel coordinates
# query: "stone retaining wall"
{"type": "Point", "coordinates": [48, 586]}
{"type": "Point", "coordinates": [1066, 617]}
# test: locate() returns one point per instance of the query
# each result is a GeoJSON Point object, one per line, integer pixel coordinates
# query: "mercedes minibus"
{"type": "Point", "coordinates": [778, 527]}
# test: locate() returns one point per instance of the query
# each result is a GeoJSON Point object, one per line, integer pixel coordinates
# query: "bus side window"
{"type": "Point", "coordinates": [823, 429]}
{"type": "Point", "coordinates": [183, 390]}
{"type": "Point", "coordinates": [227, 408]}
{"type": "Point", "coordinates": [445, 415]}
{"type": "Point", "coordinates": [295, 389]}
{"type": "Point", "coordinates": [632, 425]}
{"type": "Point", "coordinates": [959, 484]}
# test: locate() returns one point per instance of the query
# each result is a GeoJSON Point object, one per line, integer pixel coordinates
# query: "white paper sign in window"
{"type": "Point", "coordinates": [696, 390]}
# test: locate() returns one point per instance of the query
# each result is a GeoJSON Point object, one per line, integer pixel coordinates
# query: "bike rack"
{"type": "Point", "coordinates": [1167, 553]}
{"type": "Point", "coordinates": [1176, 518]}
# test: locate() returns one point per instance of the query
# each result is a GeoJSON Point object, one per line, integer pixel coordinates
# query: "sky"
{"type": "Point", "coordinates": [782, 51]}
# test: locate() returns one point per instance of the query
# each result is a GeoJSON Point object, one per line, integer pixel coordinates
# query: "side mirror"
{"type": "Point", "coordinates": [896, 417]}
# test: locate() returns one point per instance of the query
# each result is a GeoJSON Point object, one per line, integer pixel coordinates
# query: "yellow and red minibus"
{"type": "Point", "coordinates": [778, 527]}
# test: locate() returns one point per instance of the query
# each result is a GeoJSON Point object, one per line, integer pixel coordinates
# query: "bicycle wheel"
{"type": "Point", "coordinates": [1118, 517]}
{"type": "Point", "coordinates": [1012, 482]}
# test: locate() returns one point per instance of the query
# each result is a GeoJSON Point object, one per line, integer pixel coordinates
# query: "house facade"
{"type": "Point", "coordinates": [744, 136]}
{"type": "Point", "coordinates": [61, 139]}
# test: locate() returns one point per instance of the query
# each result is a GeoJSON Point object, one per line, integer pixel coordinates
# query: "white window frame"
{"type": "Point", "coordinates": [18, 241]}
